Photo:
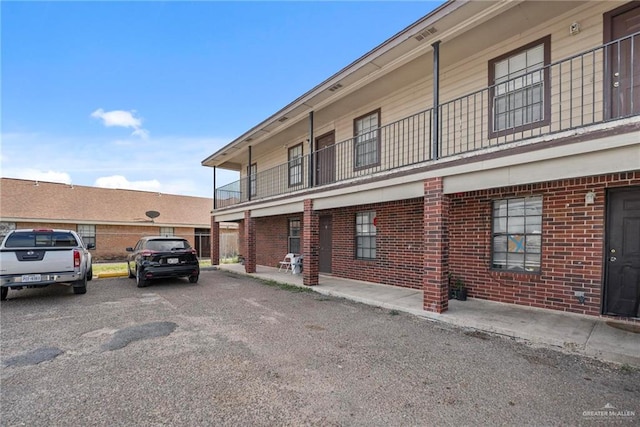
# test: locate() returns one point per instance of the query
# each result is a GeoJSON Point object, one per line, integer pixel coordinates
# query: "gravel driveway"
{"type": "Point", "coordinates": [234, 351]}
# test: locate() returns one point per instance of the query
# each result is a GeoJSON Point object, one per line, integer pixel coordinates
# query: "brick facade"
{"type": "Point", "coordinates": [215, 241]}
{"type": "Point", "coordinates": [572, 244]}
{"type": "Point", "coordinates": [249, 246]}
{"type": "Point", "coordinates": [310, 245]}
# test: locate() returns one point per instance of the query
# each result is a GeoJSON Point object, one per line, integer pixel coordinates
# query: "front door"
{"type": "Point", "coordinates": [622, 257]}
{"type": "Point", "coordinates": [622, 82]}
{"type": "Point", "coordinates": [326, 244]}
{"type": "Point", "coordinates": [325, 159]}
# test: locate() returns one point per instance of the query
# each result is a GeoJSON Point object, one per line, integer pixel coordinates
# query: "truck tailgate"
{"type": "Point", "coordinates": [36, 260]}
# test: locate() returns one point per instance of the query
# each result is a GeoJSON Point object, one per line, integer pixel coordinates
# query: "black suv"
{"type": "Point", "coordinates": [156, 257]}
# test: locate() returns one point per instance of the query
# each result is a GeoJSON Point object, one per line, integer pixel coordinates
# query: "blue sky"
{"type": "Point", "coordinates": [136, 94]}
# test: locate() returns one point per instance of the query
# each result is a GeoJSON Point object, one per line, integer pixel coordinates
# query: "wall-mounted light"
{"type": "Point", "coordinates": [574, 28]}
{"type": "Point", "coordinates": [589, 198]}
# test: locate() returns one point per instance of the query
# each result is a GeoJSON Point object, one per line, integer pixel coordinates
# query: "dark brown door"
{"type": "Point", "coordinates": [623, 77]}
{"type": "Point", "coordinates": [325, 158]}
{"type": "Point", "coordinates": [622, 257]}
{"type": "Point", "coordinates": [326, 243]}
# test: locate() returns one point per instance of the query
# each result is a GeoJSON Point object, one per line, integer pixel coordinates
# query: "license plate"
{"type": "Point", "coordinates": [26, 278]}
{"type": "Point", "coordinates": [172, 260]}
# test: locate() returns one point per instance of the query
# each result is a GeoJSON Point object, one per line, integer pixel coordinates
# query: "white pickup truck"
{"type": "Point", "coordinates": [42, 257]}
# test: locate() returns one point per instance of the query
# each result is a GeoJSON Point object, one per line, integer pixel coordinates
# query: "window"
{"type": "Point", "coordinates": [87, 233]}
{"type": "Point", "coordinates": [5, 228]}
{"type": "Point", "coordinates": [366, 235]}
{"type": "Point", "coordinates": [520, 91]}
{"type": "Point", "coordinates": [294, 236]}
{"type": "Point", "coordinates": [167, 231]}
{"type": "Point", "coordinates": [366, 140]}
{"type": "Point", "coordinates": [295, 165]}
{"type": "Point", "coordinates": [253, 179]}
{"type": "Point", "coordinates": [517, 234]}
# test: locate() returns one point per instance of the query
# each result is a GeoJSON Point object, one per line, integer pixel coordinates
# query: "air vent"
{"type": "Point", "coordinates": [425, 33]}
{"type": "Point", "coordinates": [283, 118]}
{"type": "Point", "coordinates": [248, 140]}
{"type": "Point", "coordinates": [335, 87]}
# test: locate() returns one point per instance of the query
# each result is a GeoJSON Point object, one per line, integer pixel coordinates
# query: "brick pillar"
{"type": "Point", "coordinates": [310, 245]}
{"type": "Point", "coordinates": [249, 243]}
{"type": "Point", "coordinates": [215, 241]}
{"type": "Point", "coordinates": [436, 247]}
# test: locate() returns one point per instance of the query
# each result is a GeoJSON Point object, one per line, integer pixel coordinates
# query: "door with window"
{"type": "Point", "coordinates": [325, 159]}
{"type": "Point", "coordinates": [622, 80]}
{"type": "Point", "coordinates": [622, 257]}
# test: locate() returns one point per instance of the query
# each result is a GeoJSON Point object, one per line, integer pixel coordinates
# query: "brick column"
{"type": "Point", "coordinates": [310, 245]}
{"type": "Point", "coordinates": [436, 247]}
{"type": "Point", "coordinates": [215, 241]}
{"type": "Point", "coordinates": [249, 246]}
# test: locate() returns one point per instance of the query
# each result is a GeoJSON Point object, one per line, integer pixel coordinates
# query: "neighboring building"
{"type": "Point", "coordinates": [497, 143]}
{"type": "Point", "coordinates": [111, 219]}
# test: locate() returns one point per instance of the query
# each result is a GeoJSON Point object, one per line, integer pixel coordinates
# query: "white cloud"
{"type": "Point", "coordinates": [119, 181]}
{"type": "Point", "coordinates": [38, 175]}
{"type": "Point", "coordinates": [121, 118]}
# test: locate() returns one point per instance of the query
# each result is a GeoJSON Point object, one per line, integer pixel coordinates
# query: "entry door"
{"type": "Point", "coordinates": [326, 244]}
{"type": "Point", "coordinates": [325, 158]}
{"type": "Point", "coordinates": [623, 77]}
{"type": "Point", "coordinates": [622, 263]}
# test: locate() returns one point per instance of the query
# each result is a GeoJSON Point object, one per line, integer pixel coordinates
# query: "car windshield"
{"type": "Point", "coordinates": [167, 245]}
{"type": "Point", "coordinates": [39, 239]}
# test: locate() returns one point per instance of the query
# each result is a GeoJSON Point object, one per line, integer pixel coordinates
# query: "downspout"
{"type": "Point", "coordinates": [215, 191]}
{"type": "Point", "coordinates": [249, 177]}
{"type": "Point", "coordinates": [311, 155]}
{"type": "Point", "coordinates": [436, 101]}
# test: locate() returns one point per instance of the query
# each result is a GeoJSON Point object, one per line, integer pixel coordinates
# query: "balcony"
{"type": "Point", "coordinates": [590, 88]}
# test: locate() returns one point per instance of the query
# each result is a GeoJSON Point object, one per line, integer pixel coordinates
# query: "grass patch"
{"type": "Point", "coordinates": [394, 312]}
{"type": "Point", "coordinates": [285, 286]}
{"type": "Point", "coordinates": [121, 267]}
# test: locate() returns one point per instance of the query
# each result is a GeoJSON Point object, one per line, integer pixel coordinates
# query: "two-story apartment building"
{"type": "Point", "coordinates": [494, 142]}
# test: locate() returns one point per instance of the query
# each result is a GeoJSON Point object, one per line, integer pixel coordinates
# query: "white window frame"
{"type": "Point", "coordinates": [87, 233]}
{"type": "Point", "coordinates": [366, 232]}
{"type": "Point", "coordinates": [516, 234]}
{"type": "Point", "coordinates": [366, 141]}
{"type": "Point", "coordinates": [295, 165]}
{"type": "Point", "coordinates": [520, 91]}
{"type": "Point", "coordinates": [167, 231]}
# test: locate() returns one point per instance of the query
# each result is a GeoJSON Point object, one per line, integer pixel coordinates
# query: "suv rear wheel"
{"type": "Point", "coordinates": [140, 280]}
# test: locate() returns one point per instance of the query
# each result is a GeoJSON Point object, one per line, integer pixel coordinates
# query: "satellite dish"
{"type": "Point", "coordinates": [152, 214]}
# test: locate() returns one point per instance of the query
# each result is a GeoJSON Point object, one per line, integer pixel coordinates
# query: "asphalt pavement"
{"type": "Point", "coordinates": [232, 350]}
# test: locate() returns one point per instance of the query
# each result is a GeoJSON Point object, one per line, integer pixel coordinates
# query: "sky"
{"type": "Point", "coordinates": [134, 95]}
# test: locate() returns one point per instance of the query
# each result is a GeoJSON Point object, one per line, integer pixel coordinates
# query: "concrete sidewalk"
{"type": "Point", "coordinates": [604, 339]}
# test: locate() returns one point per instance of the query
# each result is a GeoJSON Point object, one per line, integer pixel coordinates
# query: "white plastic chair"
{"type": "Point", "coordinates": [286, 263]}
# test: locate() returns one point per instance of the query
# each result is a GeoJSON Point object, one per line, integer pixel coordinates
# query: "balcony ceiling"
{"type": "Point", "coordinates": [462, 34]}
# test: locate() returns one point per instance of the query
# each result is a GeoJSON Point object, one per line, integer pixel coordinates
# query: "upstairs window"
{"type": "Point", "coordinates": [295, 165]}
{"type": "Point", "coordinates": [366, 235]}
{"type": "Point", "coordinates": [367, 140]}
{"type": "Point", "coordinates": [517, 234]}
{"type": "Point", "coordinates": [87, 233]}
{"type": "Point", "coordinates": [520, 91]}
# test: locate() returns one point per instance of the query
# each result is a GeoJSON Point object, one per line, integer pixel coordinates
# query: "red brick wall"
{"type": "Point", "coordinates": [572, 244]}
{"type": "Point", "coordinates": [399, 244]}
{"type": "Point", "coordinates": [272, 237]}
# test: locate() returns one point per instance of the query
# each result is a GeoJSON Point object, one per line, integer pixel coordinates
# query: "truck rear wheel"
{"type": "Point", "coordinates": [80, 287]}
{"type": "Point", "coordinates": [4, 291]}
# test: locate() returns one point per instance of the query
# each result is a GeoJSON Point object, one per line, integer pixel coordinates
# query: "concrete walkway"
{"type": "Point", "coordinates": [603, 339]}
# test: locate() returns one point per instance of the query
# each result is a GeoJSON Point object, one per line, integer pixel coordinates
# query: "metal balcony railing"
{"type": "Point", "coordinates": [592, 87]}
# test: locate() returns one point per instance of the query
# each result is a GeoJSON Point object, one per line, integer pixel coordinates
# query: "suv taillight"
{"type": "Point", "coordinates": [76, 258]}
{"type": "Point", "coordinates": [147, 253]}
